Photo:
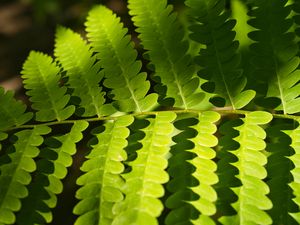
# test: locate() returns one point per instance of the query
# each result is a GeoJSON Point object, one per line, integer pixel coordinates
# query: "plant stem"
{"type": "Point", "coordinates": [137, 114]}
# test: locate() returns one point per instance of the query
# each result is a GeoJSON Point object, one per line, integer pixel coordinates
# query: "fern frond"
{"type": "Point", "coordinates": [15, 174]}
{"type": "Point", "coordinates": [12, 112]}
{"type": "Point", "coordinates": [83, 72]}
{"type": "Point", "coordinates": [162, 36]}
{"type": "Point", "coordinates": [186, 162]}
{"type": "Point", "coordinates": [252, 200]}
{"type": "Point", "coordinates": [51, 169]}
{"type": "Point", "coordinates": [295, 158]}
{"type": "Point", "coordinates": [226, 171]}
{"type": "Point", "coordinates": [203, 172]}
{"type": "Point", "coordinates": [118, 60]}
{"type": "Point", "coordinates": [102, 182]}
{"type": "Point", "coordinates": [218, 58]}
{"type": "Point", "coordinates": [41, 79]}
{"type": "Point", "coordinates": [275, 53]}
{"type": "Point", "coordinates": [180, 171]}
{"type": "Point", "coordinates": [205, 167]}
{"type": "Point", "coordinates": [143, 184]}
{"type": "Point", "coordinates": [279, 175]}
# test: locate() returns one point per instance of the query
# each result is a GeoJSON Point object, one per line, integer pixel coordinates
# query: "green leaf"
{"type": "Point", "coordinates": [279, 174]}
{"type": "Point", "coordinates": [12, 112]}
{"type": "Point", "coordinates": [143, 184]}
{"type": "Point", "coordinates": [162, 37]}
{"type": "Point", "coordinates": [101, 183]}
{"type": "Point", "coordinates": [275, 53]}
{"type": "Point", "coordinates": [203, 220]}
{"type": "Point", "coordinates": [51, 169]}
{"type": "Point", "coordinates": [184, 163]}
{"type": "Point", "coordinates": [243, 98]}
{"type": "Point", "coordinates": [218, 57]}
{"type": "Point", "coordinates": [258, 117]}
{"type": "Point", "coordinates": [204, 162]}
{"type": "Point", "coordinates": [252, 200]}
{"type": "Point", "coordinates": [194, 186]}
{"type": "Point", "coordinates": [83, 71]}
{"type": "Point", "coordinates": [118, 60]}
{"type": "Point", "coordinates": [15, 174]}
{"type": "Point", "coordinates": [295, 158]}
{"type": "Point", "coordinates": [41, 79]}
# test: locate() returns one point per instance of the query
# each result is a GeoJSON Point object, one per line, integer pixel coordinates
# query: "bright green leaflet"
{"type": "Point", "coordinates": [41, 73]}
{"type": "Point", "coordinates": [118, 60]}
{"type": "Point", "coordinates": [295, 185]}
{"type": "Point", "coordinates": [250, 165]}
{"type": "Point", "coordinates": [83, 72]}
{"type": "Point", "coordinates": [204, 142]}
{"type": "Point", "coordinates": [143, 184]}
{"type": "Point", "coordinates": [102, 183]}
{"type": "Point", "coordinates": [51, 169]}
{"type": "Point", "coordinates": [202, 197]}
{"type": "Point", "coordinates": [16, 175]}
{"type": "Point", "coordinates": [167, 50]}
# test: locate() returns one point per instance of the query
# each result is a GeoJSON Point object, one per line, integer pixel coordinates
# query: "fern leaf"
{"type": "Point", "coordinates": [252, 200]}
{"type": "Point", "coordinates": [143, 184]}
{"type": "Point", "coordinates": [204, 141]}
{"type": "Point", "coordinates": [218, 57]}
{"type": "Point", "coordinates": [275, 53]}
{"type": "Point", "coordinates": [15, 175]}
{"type": "Point", "coordinates": [51, 169]}
{"type": "Point", "coordinates": [118, 59]}
{"type": "Point", "coordinates": [12, 112]}
{"type": "Point", "coordinates": [295, 184]}
{"type": "Point", "coordinates": [41, 79]}
{"type": "Point", "coordinates": [226, 171]}
{"type": "Point", "coordinates": [203, 173]}
{"type": "Point", "coordinates": [83, 72]}
{"type": "Point", "coordinates": [102, 182]}
{"type": "Point", "coordinates": [180, 171]}
{"type": "Point", "coordinates": [279, 175]}
{"type": "Point", "coordinates": [162, 37]}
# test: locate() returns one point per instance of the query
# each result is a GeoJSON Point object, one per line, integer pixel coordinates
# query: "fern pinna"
{"type": "Point", "coordinates": [196, 131]}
